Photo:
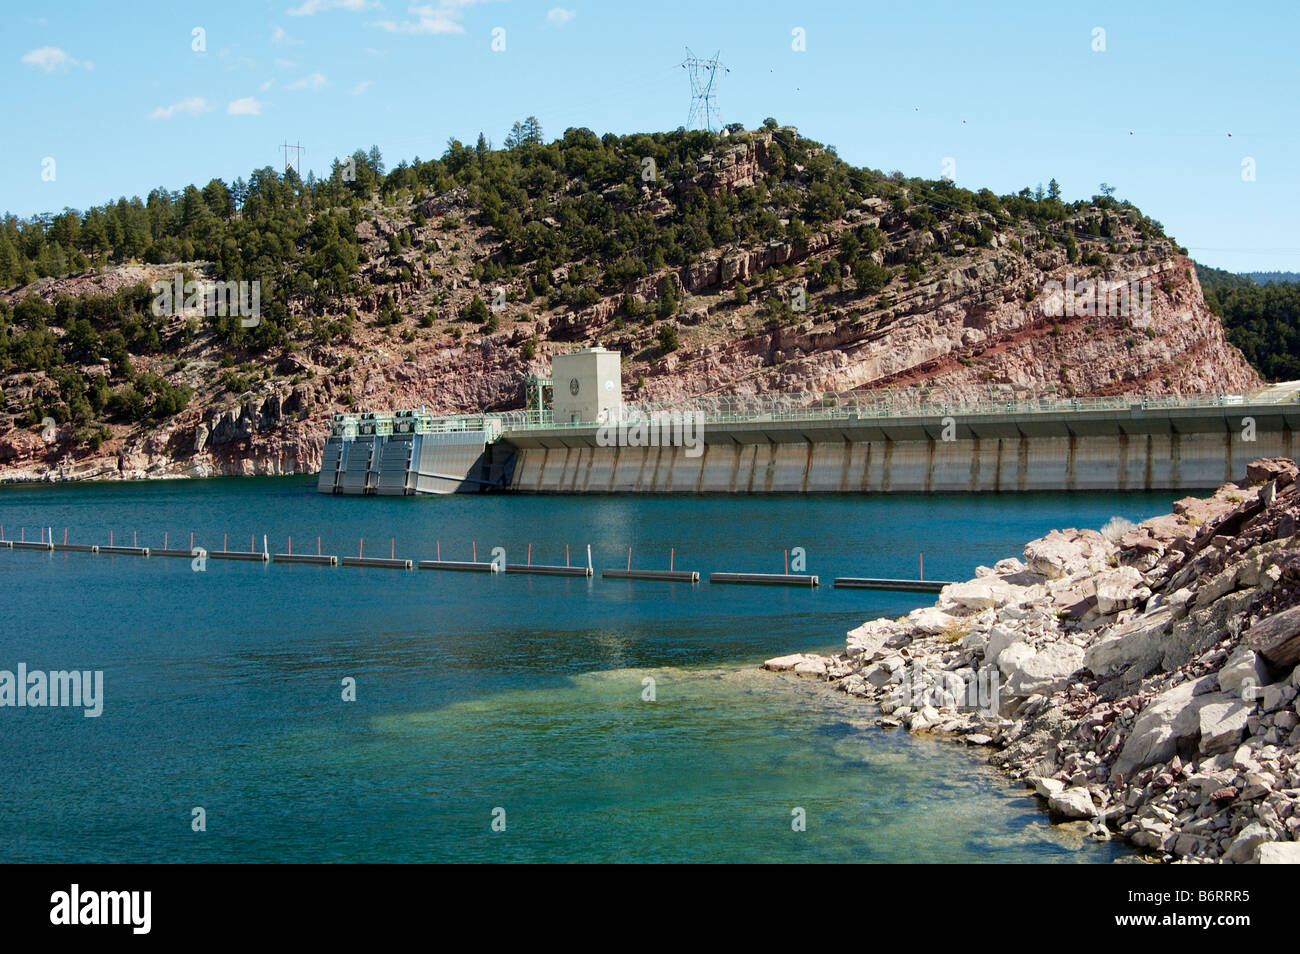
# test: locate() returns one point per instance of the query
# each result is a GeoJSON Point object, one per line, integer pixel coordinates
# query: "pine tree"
{"type": "Point", "coordinates": [10, 266]}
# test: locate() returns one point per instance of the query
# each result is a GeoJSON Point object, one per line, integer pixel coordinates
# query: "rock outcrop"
{"type": "Point", "coordinates": [1148, 685]}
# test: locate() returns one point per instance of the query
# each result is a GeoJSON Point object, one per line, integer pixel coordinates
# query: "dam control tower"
{"type": "Point", "coordinates": [588, 386]}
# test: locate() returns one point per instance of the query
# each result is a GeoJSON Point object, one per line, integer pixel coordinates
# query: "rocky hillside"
{"type": "Point", "coordinates": [1143, 680]}
{"type": "Point", "coordinates": [750, 261]}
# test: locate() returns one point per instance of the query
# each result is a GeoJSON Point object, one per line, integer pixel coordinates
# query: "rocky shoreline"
{"type": "Point", "coordinates": [1142, 678]}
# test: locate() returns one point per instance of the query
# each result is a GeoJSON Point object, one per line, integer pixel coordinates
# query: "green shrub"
{"type": "Point", "coordinates": [668, 338]}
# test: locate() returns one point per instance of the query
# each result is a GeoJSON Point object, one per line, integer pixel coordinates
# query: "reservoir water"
{"type": "Point", "coordinates": [518, 699]}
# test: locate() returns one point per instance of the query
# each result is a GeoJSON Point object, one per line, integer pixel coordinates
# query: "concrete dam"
{"type": "Point", "coordinates": [577, 436]}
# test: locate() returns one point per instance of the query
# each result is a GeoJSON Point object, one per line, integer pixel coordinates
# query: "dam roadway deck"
{"type": "Point", "coordinates": [884, 445]}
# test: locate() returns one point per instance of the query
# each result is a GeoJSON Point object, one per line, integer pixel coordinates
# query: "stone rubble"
{"type": "Point", "coordinates": [1147, 684]}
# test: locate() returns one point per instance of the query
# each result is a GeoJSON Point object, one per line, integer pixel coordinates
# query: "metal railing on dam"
{"type": "Point", "coordinates": [900, 403]}
{"type": "Point", "coordinates": [907, 441]}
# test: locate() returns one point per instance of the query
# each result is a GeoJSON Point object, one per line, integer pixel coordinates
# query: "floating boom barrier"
{"type": "Point", "coordinates": [474, 565]}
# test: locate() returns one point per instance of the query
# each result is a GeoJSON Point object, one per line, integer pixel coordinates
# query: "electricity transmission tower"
{"type": "Point", "coordinates": [297, 162]}
{"type": "Point", "coordinates": [704, 91]}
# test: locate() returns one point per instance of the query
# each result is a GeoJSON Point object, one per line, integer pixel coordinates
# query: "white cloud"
{"type": "Point", "coordinates": [190, 106]}
{"type": "Point", "coordinates": [362, 87]}
{"type": "Point", "coordinates": [283, 64]}
{"type": "Point", "coordinates": [278, 35]}
{"type": "Point", "coordinates": [558, 16]}
{"type": "Point", "coordinates": [267, 85]}
{"type": "Point", "coordinates": [51, 58]}
{"type": "Point", "coordinates": [314, 81]}
{"type": "Point", "coordinates": [247, 106]}
{"type": "Point", "coordinates": [430, 18]}
{"type": "Point", "coordinates": [310, 8]}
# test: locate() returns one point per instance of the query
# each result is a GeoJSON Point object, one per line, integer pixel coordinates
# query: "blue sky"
{"type": "Point", "coordinates": [1013, 93]}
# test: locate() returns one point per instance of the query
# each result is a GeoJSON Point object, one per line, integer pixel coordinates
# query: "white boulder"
{"type": "Point", "coordinates": [1278, 853]}
{"type": "Point", "coordinates": [871, 637]}
{"type": "Point", "coordinates": [1169, 718]}
{"type": "Point", "coordinates": [1011, 658]}
{"type": "Point", "coordinates": [1222, 725]}
{"type": "Point", "coordinates": [1118, 589]}
{"type": "Point", "coordinates": [1055, 556]}
{"type": "Point", "coordinates": [973, 595]}
{"type": "Point", "coordinates": [811, 666]}
{"type": "Point", "coordinates": [989, 592]}
{"type": "Point", "coordinates": [1242, 668]}
{"type": "Point", "coordinates": [1075, 802]}
{"type": "Point", "coordinates": [1000, 637]}
{"type": "Point", "coordinates": [1046, 786]}
{"type": "Point", "coordinates": [1243, 847]}
{"type": "Point", "coordinates": [925, 718]}
{"type": "Point", "coordinates": [1043, 672]}
{"type": "Point", "coordinates": [931, 620]}
{"type": "Point", "coordinates": [793, 661]}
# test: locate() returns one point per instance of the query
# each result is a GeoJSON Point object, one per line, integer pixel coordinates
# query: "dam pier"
{"type": "Point", "coordinates": [576, 435]}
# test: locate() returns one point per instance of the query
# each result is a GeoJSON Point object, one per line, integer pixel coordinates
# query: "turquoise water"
{"type": "Point", "coordinates": [482, 697]}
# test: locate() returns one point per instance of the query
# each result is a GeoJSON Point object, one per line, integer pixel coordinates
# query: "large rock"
{"type": "Point", "coordinates": [882, 673]}
{"type": "Point", "coordinates": [1221, 584]}
{"type": "Point", "coordinates": [1281, 469]}
{"type": "Point", "coordinates": [812, 666]}
{"type": "Point", "coordinates": [1243, 669]}
{"type": "Point", "coordinates": [1055, 556]}
{"type": "Point", "coordinates": [1073, 802]}
{"type": "Point", "coordinates": [1075, 600]}
{"type": "Point", "coordinates": [1000, 637]}
{"type": "Point", "coordinates": [1130, 642]}
{"type": "Point", "coordinates": [1171, 718]}
{"type": "Point", "coordinates": [1044, 672]}
{"type": "Point", "coordinates": [1277, 696]}
{"type": "Point", "coordinates": [927, 717]}
{"type": "Point", "coordinates": [1247, 841]}
{"type": "Point", "coordinates": [973, 594]}
{"type": "Point", "coordinates": [1012, 658]}
{"type": "Point", "coordinates": [1118, 589]}
{"type": "Point", "coordinates": [1222, 725]}
{"type": "Point", "coordinates": [1255, 563]}
{"type": "Point", "coordinates": [990, 592]}
{"type": "Point", "coordinates": [1277, 637]}
{"type": "Point", "coordinates": [931, 620]}
{"type": "Point", "coordinates": [1278, 853]}
{"type": "Point", "coordinates": [794, 661]}
{"type": "Point", "coordinates": [871, 637]}
{"type": "Point", "coordinates": [1046, 786]}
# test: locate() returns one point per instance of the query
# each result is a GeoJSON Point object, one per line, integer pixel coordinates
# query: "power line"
{"type": "Point", "coordinates": [704, 95]}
